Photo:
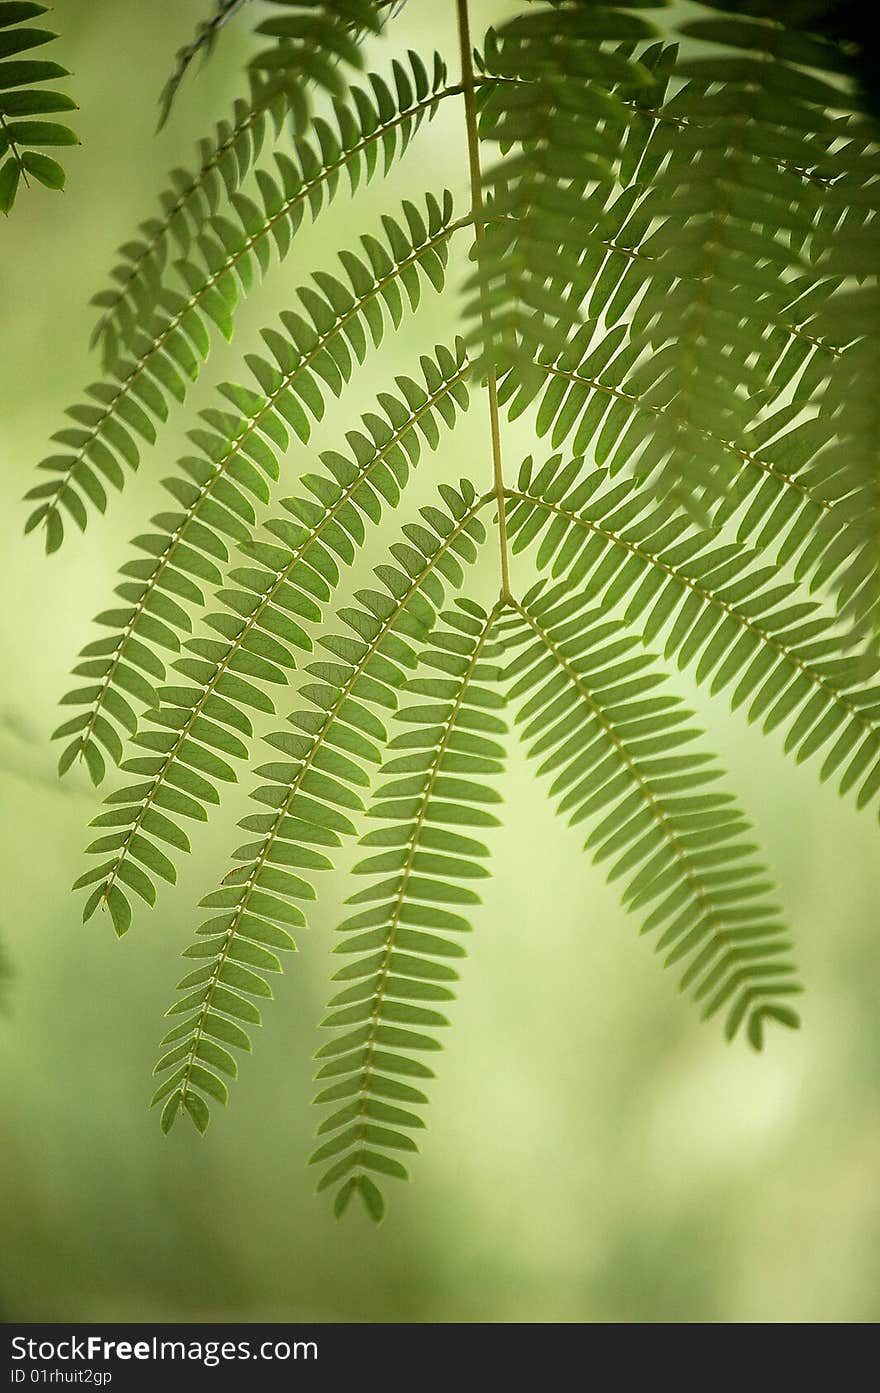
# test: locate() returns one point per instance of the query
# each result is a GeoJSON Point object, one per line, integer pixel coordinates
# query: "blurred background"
{"type": "Point", "coordinates": [593, 1153]}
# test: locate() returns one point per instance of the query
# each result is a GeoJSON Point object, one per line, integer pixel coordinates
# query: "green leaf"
{"type": "Point", "coordinates": [10, 174]}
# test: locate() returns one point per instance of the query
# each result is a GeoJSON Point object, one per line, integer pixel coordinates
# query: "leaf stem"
{"type": "Point", "coordinates": [476, 179]}
{"type": "Point", "coordinates": [13, 149]}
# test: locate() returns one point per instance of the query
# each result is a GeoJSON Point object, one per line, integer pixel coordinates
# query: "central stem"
{"type": "Point", "coordinates": [473, 139]}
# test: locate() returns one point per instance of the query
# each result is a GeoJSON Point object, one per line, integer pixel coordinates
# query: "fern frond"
{"type": "Point", "coordinates": [619, 753]}
{"type": "Point", "coordinates": [736, 205]}
{"type": "Point", "coordinates": [549, 200]}
{"type": "Point", "coordinates": [140, 277]}
{"type": "Point", "coordinates": [314, 45]}
{"type": "Point", "coordinates": [307, 45]}
{"type": "Point", "coordinates": [674, 270]}
{"type": "Point", "coordinates": [335, 740]}
{"type": "Point", "coordinates": [739, 624]}
{"type": "Point", "coordinates": [315, 353]}
{"type": "Point", "coordinates": [641, 296]}
{"type": "Point", "coordinates": [193, 199]}
{"type": "Point", "coordinates": [616, 390]}
{"type": "Point", "coordinates": [786, 492]}
{"type": "Point", "coordinates": [169, 351]}
{"type": "Point", "coordinates": [790, 487]}
{"type": "Point", "coordinates": [438, 782]}
{"type": "Point", "coordinates": [760, 271]}
{"type": "Point", "coordinates": [261, 626]}
{"type": "Point", "coordinates": [23, 139]}
{"type": "Point", "coordinates": [624, 277]}
{"type": "Point", "coordinates": [847, 540]}
{"type": "Point", "coordinates": [202, 42]}
{"type": "Point", "coordinates": [847, 237]}
{"type": "Point", "coordinates": [622, 405]}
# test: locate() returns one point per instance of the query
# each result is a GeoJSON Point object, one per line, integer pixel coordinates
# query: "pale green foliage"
{"type": "Point", "coordinates": [674, 271]}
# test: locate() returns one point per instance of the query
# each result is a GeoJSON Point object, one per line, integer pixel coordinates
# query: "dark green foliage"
{"type": "Point", "coordinates": [564, 142]}
{"type": "Point", "coordinates": [25, 103]}
{"type": "Point", "coordinates": [674, 274]}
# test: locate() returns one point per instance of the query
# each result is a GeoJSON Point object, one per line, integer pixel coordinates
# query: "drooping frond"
{"type": "Point", "coordinates": [315, 352]}
{"type": "Point", "coordinates": [564, 141]}
{"type": "Point", "coordinates": [736, 205]}
{"type": "Point", "coordinates": [786, 493]}
{"type": "Point", "coordinates": [771, 187]}
{"type": "Point", "coordinates": [202, 43]}
{"type": "Point", "coordinates": [851, 532]}
{"type": "Point", "coordinates": [706, 332]}
{"type": "Point", "coordinates": [312, 795]}
{"type": "Point", "coordinates": [168, 350]}
{"type": "Point", "coordinates": [260, 628]}
{"type": "Point", "coordinates": [674, 263]}
{"type": "Point", "coordinates": [847, 539]}
{"type": "Point", "coordinates": [738, 623]}
{"type": "Point", "coordinates": [624, 407]}
{"type": "Point", "coordinates": [23, 97]}
{"type": "Point", "coordinates": [780, 475]}
{"type": "Point", "coordinates": [848, 235]}
{"type": "Point", "coordinates": [225, 162]}
{"type": "Point", "coordinates": [622, 754]}
{"type": "Point", "coordinates": [438, 783]}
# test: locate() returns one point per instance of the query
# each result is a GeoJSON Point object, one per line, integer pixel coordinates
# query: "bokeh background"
{"type": "Point", "coordinates": [593, 1152]}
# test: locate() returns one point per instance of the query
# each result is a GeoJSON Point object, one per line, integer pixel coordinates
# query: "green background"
{"type": "Point", "coordinates": [594, 1153]}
